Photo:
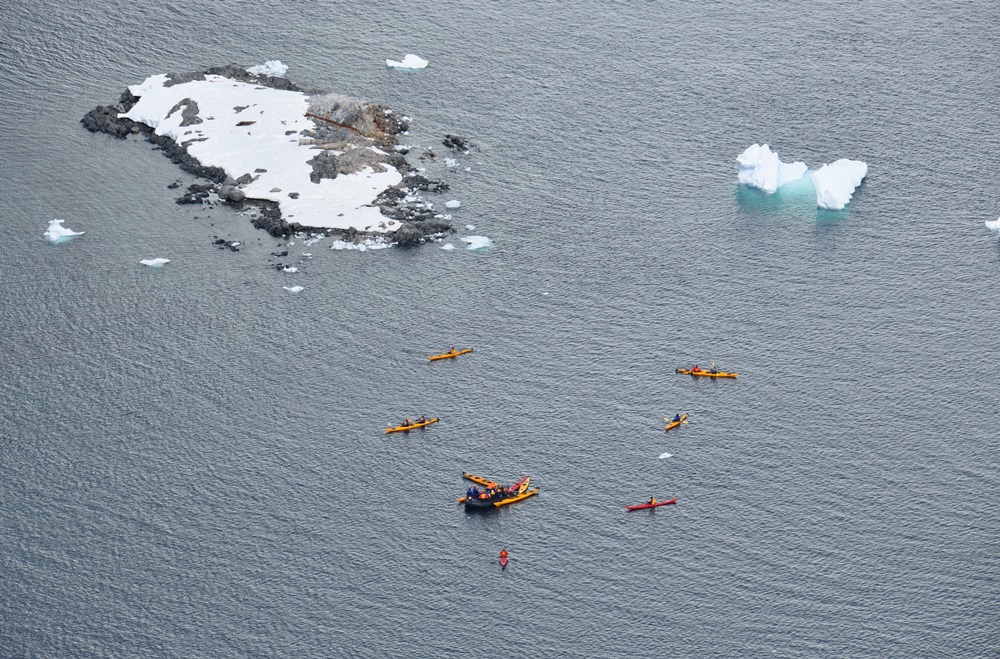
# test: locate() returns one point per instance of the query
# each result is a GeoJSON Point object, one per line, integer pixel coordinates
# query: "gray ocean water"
{"type": "Point", "coordinates": [193, 462]}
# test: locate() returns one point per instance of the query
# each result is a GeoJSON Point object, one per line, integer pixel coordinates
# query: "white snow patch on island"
{"type": "Point", "coordinates": [268, 149]}
{"type": "Point", "coordinates": [58, 233]}
{"type": "Point", "coordinates": [363, 246]}
{"type": "Point", "coordinates": [993, 225]}
{"type": "Point", "coordinates": [835, 183]}
{"type": "Point", "coordinates": [155, 263]}
{"type": "Point", "coordinates": [477, 242]}
{"type": "Point", "coordinates": [271, 67]}
{"type": "Point", "coordinates": [762, 169]}
{"type": "Point", "coordinates": [411, 61]}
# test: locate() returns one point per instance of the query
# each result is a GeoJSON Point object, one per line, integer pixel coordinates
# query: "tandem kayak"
{"type": "Point", "coordinates": [673, 424]}
{"type": "Point", "coordinates": [643, 506]}
{"type": "Point", "coordinates": [498, 501]}
{"type": "Point", "coordinates": [449, 355]}
{"type": "Point", "coordinates": [412, 426]}
{"type": "Point", "coordinates": [706, 374]}
{"type": "Point", "coordinates": [479, 480]}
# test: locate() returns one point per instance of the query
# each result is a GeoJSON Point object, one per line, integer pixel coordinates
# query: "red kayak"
{"type": "Point", "coordinates": [503, 559]}
{"type": "Point", "coordinates": [643, 506]}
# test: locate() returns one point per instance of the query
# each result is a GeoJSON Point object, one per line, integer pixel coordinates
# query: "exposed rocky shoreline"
{"type": "Point", "coordinates": [348, 136]}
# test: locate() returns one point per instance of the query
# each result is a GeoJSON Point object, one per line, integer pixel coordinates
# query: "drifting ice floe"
{"type": "Point", "coordinates": [450, 162]}
{"type": "Point", "coordinates": [477, 242]}
{"type": "Point", "coordinates": [155, 263]}
{"type": "Point", "coordinates": [447, 247]}
{"type": "Point", "coordinates": [762, 169]}
{"type": "Point", "coordinates": [993, 225]}
{"type": "Point", "coordinates": [664, 456]}
{"type": "Point", "coordinates": [835, 183]}
{"type": "Point", "coordinates": [454, 203]}
{"type": "Point", "coordinates": [411, 61]}
{"type": "Point", "coordinates": [58, 233]}
{"type": "Point", "coordinates": [293, 289]}
{"type": "Point", "coordinates": [290, 268]}
{"type": "Point", "coordinates": [470, 227]}
{"type": "Point", "coordinates": [364, 246]}
{"type": "Point", "coordinates": [271, 67]}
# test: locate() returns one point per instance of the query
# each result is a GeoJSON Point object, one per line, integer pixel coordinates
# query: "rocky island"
{"type": "Point", "coordinates": [303, 161]}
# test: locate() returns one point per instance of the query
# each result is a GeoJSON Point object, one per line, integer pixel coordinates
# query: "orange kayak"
{"type": "Point", "coordinates": [449, 355]}
{"type": "Point", "coordinates": [706, 374]}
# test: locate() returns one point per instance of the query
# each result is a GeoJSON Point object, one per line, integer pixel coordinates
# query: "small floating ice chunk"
{"type": "Point", "coordinates": [664, 456]}
{"type": "Point", "coordinates": [290, 268]}
{"type": "Point", "coordinates": [470, 227]}
{"type": "Point", "coordinates": [411, 61]}
{"type": "Point", "coordinates": [993, 225]}
{"type": "Point", "coordinates": [155, 263]}
{"type": "Point", "coordinates": [363, 246]}
{"type": "Point", "coordinates": [58, 233]}
{"type": "Point", "coordinates": [762, 169]}
{"type": "Point", "coordinates": [454, 203]}
{"type": "Point", "coordinates": [835, 183]}
{"type": "Point", "coordinates": [477, 242]}
{"type": "Point", "coordinates": [271, 67]}
{"type": "Point", "coordinates": [450, 162]}
{"type": "Point", "coordinates": [447, 247]}
{"type": "Point", "coordinates": [293, 289]}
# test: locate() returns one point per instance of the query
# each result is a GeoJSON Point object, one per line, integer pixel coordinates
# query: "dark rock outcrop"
{"type": "Point", "coordinates": [348, 126]}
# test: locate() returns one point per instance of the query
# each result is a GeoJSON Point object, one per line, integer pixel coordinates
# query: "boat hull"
{"type": "Point", "coordinates": [674, 424]}
{"type": "Point", "coordinates": [706, 374]}
{"type": "Point", "coordinates": [645, 506]}
{"type": "Point", "coordinates": [412, 426]}
{"type": "Point", "coordinates": [449, 355]}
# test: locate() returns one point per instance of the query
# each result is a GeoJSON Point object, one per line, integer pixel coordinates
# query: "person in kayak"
{"type": "Point", "coordinates": [652, 501]}
{"type": "Point", "coordinates": [696, 369]}
{"type": "Point", "coordinates": [452, 351]}
{"type": "Point", "coordinates": [406, 422]}
{"type": "Point", "coordinates": [715, 369]}
{"type": "Point", "coordinates": [421, 419]}
{"type": "Point", "coordinates": [677, 417]}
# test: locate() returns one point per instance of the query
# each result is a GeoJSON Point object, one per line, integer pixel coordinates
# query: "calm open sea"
{"type": "Point", "coordinates": [193, 459]}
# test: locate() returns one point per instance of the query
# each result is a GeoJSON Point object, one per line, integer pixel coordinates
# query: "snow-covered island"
{"type": "Point", "coordinates": [303, 160]}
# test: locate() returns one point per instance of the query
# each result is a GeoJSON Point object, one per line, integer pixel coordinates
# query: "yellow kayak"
{"type": "Point", "coordinates": [674, 424]}
{"type": "Point", "coordinates": [706, 374]}
{"type": "Point", "coordinates": [449, 355]}
{"type": "Point", "coordinates": [519, 497]}
{"type": "Point", "coordinates": [524, 485]}
{"type": "Point", "coordinates": [412, 425]}
{"type": "Point", "coordinates": [479, 480]}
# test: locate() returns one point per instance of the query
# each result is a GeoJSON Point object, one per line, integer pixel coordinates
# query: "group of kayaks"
{"type": "Point", "coordinates": [677, 420]}
{"type": "Point", "coordinates": [492, 495]}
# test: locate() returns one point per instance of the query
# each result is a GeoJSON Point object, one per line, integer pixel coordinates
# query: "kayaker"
{"type": "Point", "coordinates": [407, 422]}
{"type": "Point", "coordinates": [452, 351]}
{"type": "Point", "coordinates": [696, 369]}
{"type": "Point", "coordinates": [714, 368]}
{"type": "Point", "coordinates": [677, 417]}
{"type": "Point", "coordinates": [652, 501]}
{"type": "Point", "coordinates": [421, 419]}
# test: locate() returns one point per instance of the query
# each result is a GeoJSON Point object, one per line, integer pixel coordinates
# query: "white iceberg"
{"type": "Point", "coordinates": [290, 268]}
{"type": "Point", "coordinates": [454, 203]}
{"type": "Point", "coordinates": [762, 169]}
{"type": "Point", "coordinates": [835, 183]}
{"type": "Point", "coordinates": [470, 227]}
{"type": "Point", "coordinates": [411, 61]}
{"type": "Point", "coordinates": [58, 233]}
{"type": "Point", "coordinates": [271, 67]}
{"type": "Point", "coordinates": [293, 289]}
{"type": "Point", "coordinates": [450, 162]}
{"type": "Point", "coordinates": [155, 263]}
{"type": "Point", "coordinates": [447, 247]}
{"type": "Point", "coordinates": [993, 225]}
{"type": "Point", "coordinates": [477, 242]}
{"type": "Point", "coordinates": [364, 246]}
